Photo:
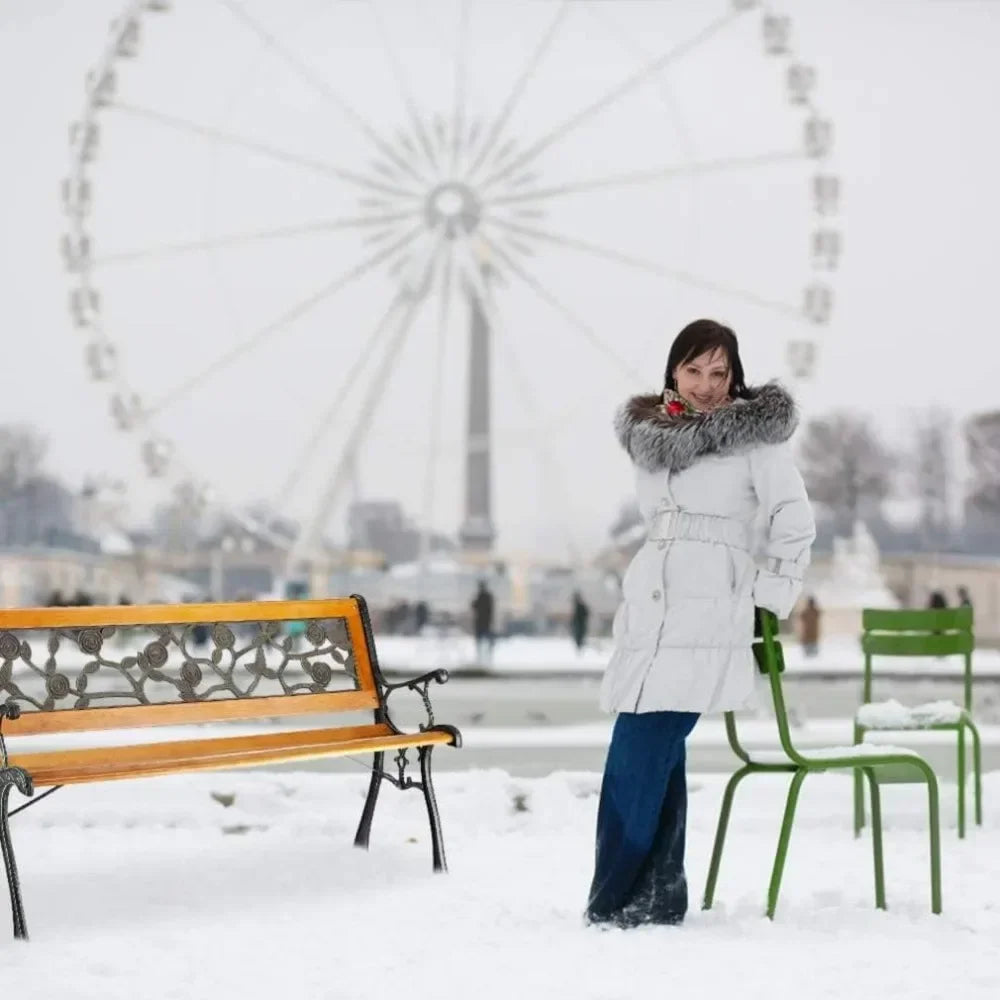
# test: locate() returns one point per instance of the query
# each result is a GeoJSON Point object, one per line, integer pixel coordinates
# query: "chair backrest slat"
{"type": "Point", "coordinates": [916, 619]}
{"type": "Point", "coordinates": [916, 644]}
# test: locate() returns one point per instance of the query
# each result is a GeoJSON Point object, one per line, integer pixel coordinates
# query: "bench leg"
{"type": "Point", "coordinates": [876, 837]}
{"type": "Point", "coordinates": [786, 831]}
{"type": "Point", "coordinates": [720, 835]}
{"type": "Point", "coordinates": [11, 777]}
{"type": "Point", "coordinates": [367, 814]}
{"type": "Point", "coordinates": [437, 841]}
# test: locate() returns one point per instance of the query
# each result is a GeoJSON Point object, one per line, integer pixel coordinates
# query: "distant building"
{"type": "Point", "coordinates": [382, 526]}
{"type": "Point", "coordinates": [42, 512]}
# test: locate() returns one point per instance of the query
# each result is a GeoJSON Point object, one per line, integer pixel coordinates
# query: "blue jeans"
{"type": "Point", "coordinates": [639, 865]}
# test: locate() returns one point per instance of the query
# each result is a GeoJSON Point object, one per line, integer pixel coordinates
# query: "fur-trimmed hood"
{"type": "Point", "coordinates": [656, 440]}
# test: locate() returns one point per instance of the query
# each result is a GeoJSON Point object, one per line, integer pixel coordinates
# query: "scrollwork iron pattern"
{"type": "Point", "coordinates": [107, 666]}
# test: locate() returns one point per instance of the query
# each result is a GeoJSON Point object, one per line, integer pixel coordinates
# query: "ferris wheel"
{"type": "Point", "coordinates": [341, 237]}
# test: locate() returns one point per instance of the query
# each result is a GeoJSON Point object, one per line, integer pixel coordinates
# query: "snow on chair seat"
{"type": "Point", "coordinates": [893, 715]}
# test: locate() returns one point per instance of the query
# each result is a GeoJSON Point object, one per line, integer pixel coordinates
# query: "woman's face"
{"type": "Point", "coordinates": [705, 381]}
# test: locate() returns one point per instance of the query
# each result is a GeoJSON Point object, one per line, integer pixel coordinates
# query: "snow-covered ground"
{"type": "Point", "coordinates": [155, 889]}
{"type": "Point", "coordinates": [523, 654]}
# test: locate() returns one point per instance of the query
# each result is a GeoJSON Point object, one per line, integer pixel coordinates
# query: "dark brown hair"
{"type": "Point", "coordinates": [699, 337]}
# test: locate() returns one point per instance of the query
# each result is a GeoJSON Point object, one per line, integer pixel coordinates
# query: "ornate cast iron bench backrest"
{"type": "Point", "coordinates": [84, 668]}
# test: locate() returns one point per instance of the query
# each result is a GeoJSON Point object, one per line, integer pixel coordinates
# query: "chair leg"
{"type": "Point", "coordinates": [437, 841]}
{"type": "Point", "coordinates": [9, 862]}
{"type": "Point", "coordinates": [859, 790]}
{"type": "Point", "coordinates": [365, 826]}
{"type": "Point", "coordinates": [786, 831]}
{"type": "Point", "coordinates": [977, 773]}
{"type": "Point", "coordinates": [934, 827]}
{"type": "Point", "coordinates": [720, 835]}
{"type": "Point", "coordinates": [961, 768]}
{"type": "Point", "coordinates": [877, 854]}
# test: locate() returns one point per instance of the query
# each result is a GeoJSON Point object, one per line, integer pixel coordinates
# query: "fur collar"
{"type": "Point", "coordinates": [656, 441]}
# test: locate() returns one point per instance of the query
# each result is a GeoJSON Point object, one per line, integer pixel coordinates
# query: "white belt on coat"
{"type": "Point", "coordinates": [670, 523]}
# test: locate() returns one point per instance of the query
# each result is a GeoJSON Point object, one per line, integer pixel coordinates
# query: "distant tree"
{"type": "Point", "coordinates": [628, 518]}
{"type": "Point", "coordinates": [22, 449]}
{"type": "Point", "coordinates": [179, 524]}
{"type": "Point", "coordinates": [277, 526]}
{"type": "Point", "coordinates": [845, 465]}
{"type": "Point", "coordinates": [982, 438]}
{"type": "Point", "coordinates": [930, 464]}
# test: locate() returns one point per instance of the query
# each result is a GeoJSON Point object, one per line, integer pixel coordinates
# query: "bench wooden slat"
{"type": "Point", "coordinates": [180, 713]}
{"type": "Point", "coordinates": [96, 616]}
{"type": "Point", "coordinates": [66, 767]}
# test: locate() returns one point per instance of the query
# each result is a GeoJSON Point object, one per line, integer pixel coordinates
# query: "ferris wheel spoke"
{"type": "Point", "coordinates": [409, 102]}
{"type": "Point", "coordinates": [310, 536]}
{"type": "Point", "coordinates": [589, 333]}
{"type": "Point", "coordinates": [650, 176]}
{"type": "Point", "coordinates": [321, 86]}
{"type": "Point", "coordinates": [643, 264]}
{"type": "Point", "coordinates": [507, 108]}
{"type": "Point", "coordinates": [329, 415]}
{"type": "Point", "coordinates": [261, 148]}
{"type": "Point", "coordinates": [290, 316]}
{"type": "Point", "coordinates": [437, 390]}
{"type": "Point", "coordinates": [635, 51]}
{"type": "Point", "coordinates": [458, 113]}
{"type": "Point", "coordinates": [245, 239]}
{"type": "Point", "coordinates": [624, 88]}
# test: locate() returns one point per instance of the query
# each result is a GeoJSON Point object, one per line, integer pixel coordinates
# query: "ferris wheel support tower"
{"type": "Point", "coordinates": [477, 532]}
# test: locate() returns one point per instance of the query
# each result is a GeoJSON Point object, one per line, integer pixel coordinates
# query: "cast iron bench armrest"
{"type": "Point", "coordinates": [420, 685]}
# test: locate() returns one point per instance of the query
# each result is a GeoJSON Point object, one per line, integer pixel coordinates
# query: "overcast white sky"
{"type": "Point", "coordinates": [911, 86]}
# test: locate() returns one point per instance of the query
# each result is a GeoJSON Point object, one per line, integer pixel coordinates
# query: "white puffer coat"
{"type": "Point", "coordinates": [728, 526]}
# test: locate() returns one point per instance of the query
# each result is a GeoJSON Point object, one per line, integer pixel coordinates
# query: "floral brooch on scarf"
{"type": "Point", "coordinates": [675, 405]}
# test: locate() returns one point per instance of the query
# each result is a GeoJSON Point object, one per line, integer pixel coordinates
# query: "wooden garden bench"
{"type": "Point", "coordinates": [73, 670]}
{"type": "Point", "coordinates": [928, 632]}
{"type": "Point", "coordinates": [867, 759]}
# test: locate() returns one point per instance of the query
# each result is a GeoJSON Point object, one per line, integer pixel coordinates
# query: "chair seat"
{"type": "Point", "coordinates": [66, 767]}
{"type": "Point", "coordinates": [892, 715]}
{"type": "Point", "coordinates": [860, 750]}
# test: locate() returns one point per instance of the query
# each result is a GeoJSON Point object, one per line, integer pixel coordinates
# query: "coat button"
{"type": "Point", "coordinates": [656, 595]}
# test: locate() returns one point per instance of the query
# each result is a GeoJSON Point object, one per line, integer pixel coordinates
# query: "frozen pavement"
{"type": "Point", "coordinates": [156, 889]}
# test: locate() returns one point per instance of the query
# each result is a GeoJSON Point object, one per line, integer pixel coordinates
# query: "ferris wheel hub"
{"type": "Point", "coordinates": [455, 207]}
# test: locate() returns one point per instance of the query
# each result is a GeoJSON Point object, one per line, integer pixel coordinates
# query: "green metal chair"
{"type": "Point", "coordinates": [933, 632]}
{"type": "Point", "coordinates": [864, 759]}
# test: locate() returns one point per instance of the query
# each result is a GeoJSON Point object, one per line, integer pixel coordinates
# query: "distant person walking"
{"type": "Point", "coordinates": [809, 618]}
{"type": "Point", "coordinates": [964, 599]}
{"type": "Point", "coordinates": [482, 623]}
{"type": "Point", "coordinates": [421, 616]}
{"type": "Point", "coordinates": [937, 600]}
{"type": "Point", "coordinates": [579, 619]}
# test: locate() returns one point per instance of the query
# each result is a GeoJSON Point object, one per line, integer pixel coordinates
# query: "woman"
{"type": "Point", "coordinates": [728, 527]}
